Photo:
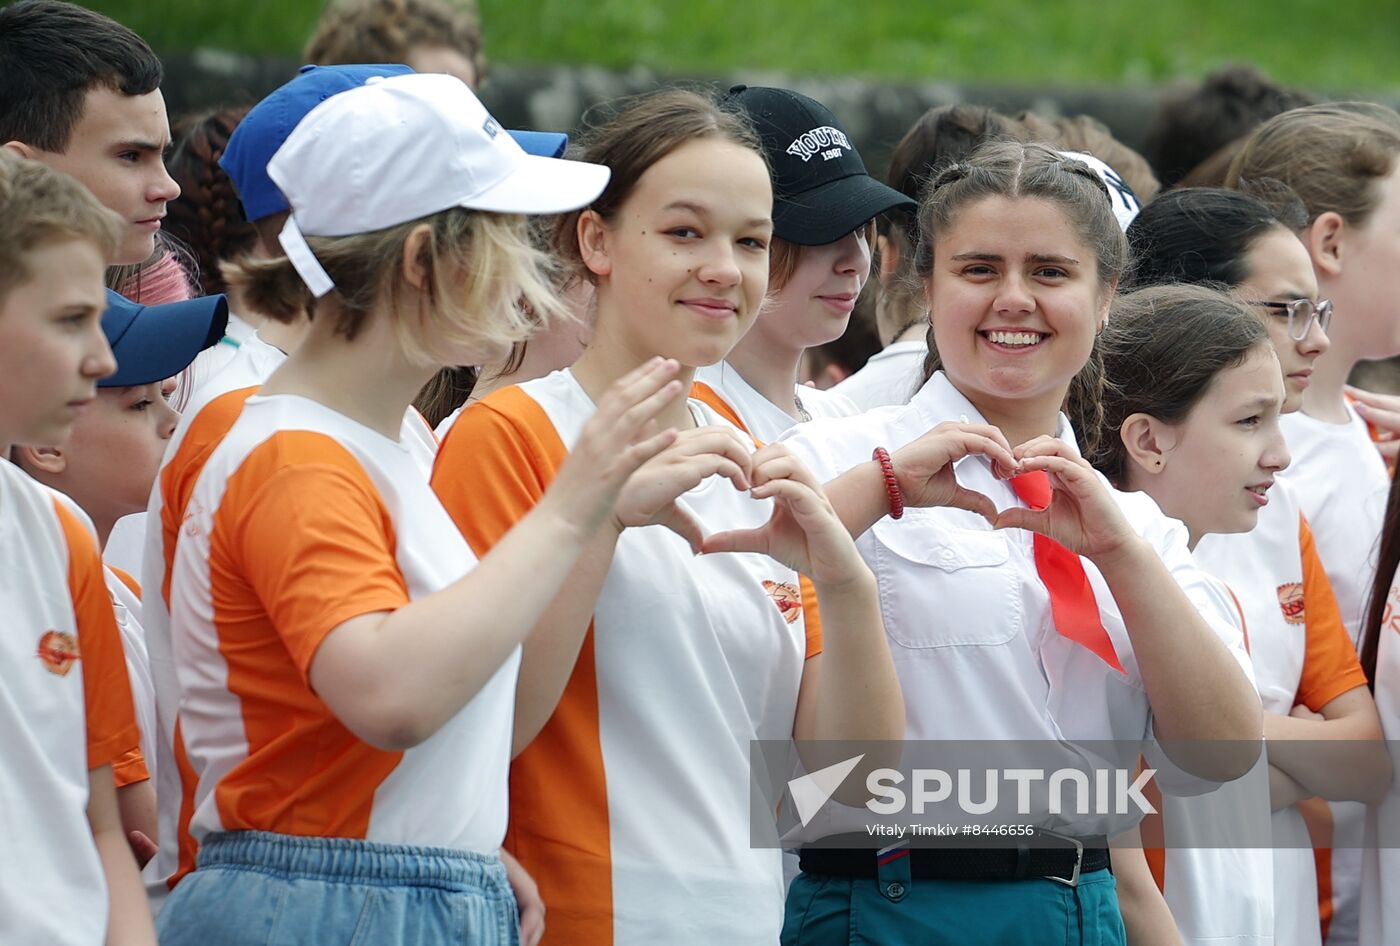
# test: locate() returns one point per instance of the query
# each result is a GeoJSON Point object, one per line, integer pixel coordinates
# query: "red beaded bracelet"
{"type": "Point", "coordinates": [882, 457]}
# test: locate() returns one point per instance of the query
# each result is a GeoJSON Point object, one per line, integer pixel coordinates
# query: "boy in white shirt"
{"type": "Point", "coordinates": [107, 464]}
{"type": "Point", "coordinates": [70, 877]}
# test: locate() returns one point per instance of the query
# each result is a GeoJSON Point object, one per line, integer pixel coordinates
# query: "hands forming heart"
{"type": "Point", "coordinates": [803, 532]}
{"type": "Point", "coordinates": [1080, 514]}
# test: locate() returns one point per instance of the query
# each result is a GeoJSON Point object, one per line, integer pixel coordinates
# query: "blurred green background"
{"type": "Point", "coordinates": [1330, 46]}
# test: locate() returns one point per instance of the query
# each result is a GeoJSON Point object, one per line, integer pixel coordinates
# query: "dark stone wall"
{"type": "Point", "coordinates": [876, 113]}
{"type": "Point", "coordinates": [555, 98]}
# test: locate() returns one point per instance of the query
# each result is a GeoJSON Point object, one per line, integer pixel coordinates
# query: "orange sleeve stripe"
{"type": "Point", "coordinates": [111, 717]}
{"type": "Point", "coordinates": [311, 536]}
{"type": "Point", "coordinates": [131, 583]}
{"type": "Point", "coordinates": [300, 543]}
{"type": "Point", "coordinates": [494, 465]}
{"type": "Point", "coordinates": [1152, 831]}
{"type": "Point", "coordinates": [178, 477]}
{"type": "Point", "coordinates": [811, 615]}
{"type": "Point", "coordinates": [187, 846]}
{"type": "Point", "coordinates": [1244, 625]}
{"type": "Point", "coordinates": [703, 392]}
{"type": "Point", "coordinates": [130, 768]}
{"type": "Point", "coordinates": [1317, 815]}
{"type": "Point", "coordinates": [1330, 666]}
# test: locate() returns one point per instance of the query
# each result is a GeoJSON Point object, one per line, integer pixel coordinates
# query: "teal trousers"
{"type": "Point", "coordinates": [839, 911]}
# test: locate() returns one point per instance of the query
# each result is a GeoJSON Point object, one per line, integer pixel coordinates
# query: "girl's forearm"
{"type": "Point", "coordinates": [1196, 689]}
{"type": "Point", "coordinates": [1339, 759]}
{"type": "Point", "coordinates": [858, 696]}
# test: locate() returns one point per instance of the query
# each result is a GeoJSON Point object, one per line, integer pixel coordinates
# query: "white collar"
{"type": "Point", "coordinates": [938, 401]}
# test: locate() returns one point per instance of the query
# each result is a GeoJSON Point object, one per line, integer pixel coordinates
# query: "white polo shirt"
{"type": "Point", "coordinates": [723, 388]}
{"type": "Point", "coordinates": [65, 709]}
{"type": "Point", "coordinates": [1216, 877]}
{"type": "Point", "coordinates": [1302, 654]}
{"type": "Point", "coordinates": [889, 378]}
{"type": "Point", "coordinates": [968, 618]}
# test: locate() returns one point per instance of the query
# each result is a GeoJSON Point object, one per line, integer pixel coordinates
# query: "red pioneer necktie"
{"type": "Point", "coordinates": [1072, 604]}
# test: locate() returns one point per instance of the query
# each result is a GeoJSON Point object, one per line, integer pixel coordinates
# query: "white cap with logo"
{"type": "Point", "coordinates": [1125, 202]}
{"type": "Point", "coordinates": [404, 147]}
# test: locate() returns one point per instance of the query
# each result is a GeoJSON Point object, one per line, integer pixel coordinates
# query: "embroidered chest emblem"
{"type": "Point", "coordinates": [787, 598]}
{"type": "Point", "coordinates": [1290, 600]}
{"type": "Point", "coordinates": [59, 652]}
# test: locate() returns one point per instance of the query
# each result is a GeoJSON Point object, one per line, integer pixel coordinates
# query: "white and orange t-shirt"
{"type": "Point", "coordinates": [630, 808]}
{"type": "Point", "coordinates": [215, 407]}
{"type": "Point", "coordinates": [1341, 485]}
{"type": "Point", "coordinates": [724, 389]}
{"type": "Point", "coordinates": [301, 520]}
{"type": "Point", "coordinates": [139, 764]}
{"type": "Point", "coordinates": [65, 709]}
{"type": "Point", "coordinates": [1302, 654]}
{"type": "Point", "coordinates": [1212, 866]}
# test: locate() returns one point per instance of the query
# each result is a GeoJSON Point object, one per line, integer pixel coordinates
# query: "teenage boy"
{"type": "Point", "coordinates": [68, 876]}
{"type": "Point", "coordinates": [107, 465]}
{"type": "Point", "coordinates": [81, 93]}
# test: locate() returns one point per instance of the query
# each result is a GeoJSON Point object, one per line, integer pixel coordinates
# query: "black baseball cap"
{"type": "Point", "coordinates": [821, 190]}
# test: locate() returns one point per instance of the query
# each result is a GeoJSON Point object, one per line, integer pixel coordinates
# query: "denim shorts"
{"type": "Point", "coordinates": [253, 888]}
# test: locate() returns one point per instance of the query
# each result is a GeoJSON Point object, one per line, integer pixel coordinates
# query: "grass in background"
{"type": "Point", "coordinates": [1336, 46]}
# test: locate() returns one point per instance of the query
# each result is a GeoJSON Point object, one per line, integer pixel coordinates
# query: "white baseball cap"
{"type": "Point", "coordinates": [1126, 203]}
{"type": "Point", "coordinates": [400, 148]}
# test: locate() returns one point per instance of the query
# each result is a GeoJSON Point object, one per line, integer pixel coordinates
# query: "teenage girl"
{"type": "Point", "coordinates": [824, 206]}
{"type": "Point", "coordinates": [941, 136]}
{"type": "Point", "coordinates": [1194, 376]}
{"type": "Point", "coordinates": [1225, 237]}
{"type": "Point", "coordinates": [215, 404]}
{"type": "Point", "coordinates": [1020, 254]}
{"type": "Point", "coordinates": [346, 665]}
{"type": "Point", "coordinates": [643, 687]}
{"type": "Point", "coordinates": [1343, 162]}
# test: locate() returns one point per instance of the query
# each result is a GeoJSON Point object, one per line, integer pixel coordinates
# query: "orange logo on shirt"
{"type": "Point", "coordinates": [58, 651]}
{"type": "Point", "coordinates": [1391, 618]}
{"type": "Point", "coordinates": [1290, 599]}
{"type": "Point", "coordinates": [786, 597]}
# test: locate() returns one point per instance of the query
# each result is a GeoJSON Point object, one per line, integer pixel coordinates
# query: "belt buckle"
{"type": "Point", "coordinates": [1073, 879]}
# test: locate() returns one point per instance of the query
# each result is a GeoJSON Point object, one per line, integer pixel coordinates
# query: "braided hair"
{"type": "Point", "coordinates": [207, 216]}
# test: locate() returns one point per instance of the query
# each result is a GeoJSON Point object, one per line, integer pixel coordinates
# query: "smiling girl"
{"type": "Point", "coordinates": [824, 205]}
{"type": "Point", "coordinates": [1229, 238]}
{"type": "Point", "coordinates": [1193, 375]}
{"type": "Point", "coordinates": [664, 666]}
{"type": "Point", "coordinates": [1009, 620]}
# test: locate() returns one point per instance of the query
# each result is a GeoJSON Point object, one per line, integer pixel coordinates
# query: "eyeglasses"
{"type": "Point", "coordinates": [1300, 314]}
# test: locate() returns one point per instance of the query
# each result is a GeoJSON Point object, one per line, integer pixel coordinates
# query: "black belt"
{"type": "Point", "coordinates": [1051, 856]}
